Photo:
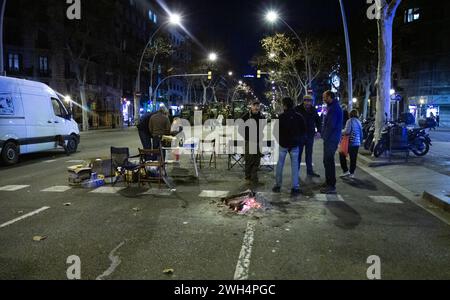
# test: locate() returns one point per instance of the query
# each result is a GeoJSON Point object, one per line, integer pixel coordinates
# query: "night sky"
{"type": "Point", "coordinates": [233, 28]}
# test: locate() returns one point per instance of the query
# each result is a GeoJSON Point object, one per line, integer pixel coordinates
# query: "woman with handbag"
{"type": "Point", "coordinates": [351, 142]}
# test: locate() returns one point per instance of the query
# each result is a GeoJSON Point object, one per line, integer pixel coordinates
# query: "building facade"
{"type": "Point", "coordinates": [422, 58]}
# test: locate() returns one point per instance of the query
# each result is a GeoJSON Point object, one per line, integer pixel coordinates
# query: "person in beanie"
{"type": "Point", "coordinates": [331, 134]}
{"type": "Point", "coordinates": [291, 132]}
{"type": "Point", "coordinates": [313, 124]}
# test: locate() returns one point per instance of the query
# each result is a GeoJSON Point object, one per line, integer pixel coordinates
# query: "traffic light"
{"type": "Point", "coordinates": [258, 75]}
{"type": "Point", "coordinates": [209, 75]}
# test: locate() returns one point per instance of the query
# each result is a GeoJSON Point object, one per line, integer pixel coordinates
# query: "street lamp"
{"type": "Point", "coordinates": [230, 73]}
{"type": "Point", "coordinates": [212, 57]}
{"type": "Point", "coordinates": [272, 16]}
{"type": "Point", "coordinates": [173, 19]}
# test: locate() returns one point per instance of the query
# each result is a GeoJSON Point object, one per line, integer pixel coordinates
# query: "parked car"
{"type": "Point", "coordinates": [33, 119]}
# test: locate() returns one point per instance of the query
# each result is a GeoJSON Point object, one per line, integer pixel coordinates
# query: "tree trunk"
{"type": "Point", "coordinates": [84, 110]}
{"type": "Point", "coordinates": [384, 80]}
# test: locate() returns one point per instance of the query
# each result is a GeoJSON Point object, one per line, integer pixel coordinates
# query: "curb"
{"type": "Point", "coordinates": [439, 199]}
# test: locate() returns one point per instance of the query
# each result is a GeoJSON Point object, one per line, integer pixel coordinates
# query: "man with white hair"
{"type": "Point", "coordinates": [159, 125]}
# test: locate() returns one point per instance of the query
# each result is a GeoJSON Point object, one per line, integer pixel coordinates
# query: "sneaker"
{"type": "Point", "coordinates": [314, 175]}
{"type": "Point", "coordinates": [296, 192]}
{"type": "Point", "coordinates": [352, 176]}
{"type": "Point", "coordinates": [328, 190]}
{"type": "Point", "coordinates": [276, 190]}
{"type": "Point", "coordinates": [345, 175]}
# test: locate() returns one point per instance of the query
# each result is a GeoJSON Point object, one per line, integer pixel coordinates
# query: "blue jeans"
{"type": "Point", "coordinates": [294, 154]}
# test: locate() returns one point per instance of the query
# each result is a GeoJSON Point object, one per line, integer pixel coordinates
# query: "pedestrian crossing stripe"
{"type": "Point", "coordinates": [328, 198]}
{"type": "Point", "coordinates": [386, 199]}
{"type": "Point", "coordinates": [163, 193]}
{"type": "Point", "coordinates": [107, 190]}
{"type": "Point", "coordinates": [13, 188]}
{"type": "Point", "coordinates": [57, 189]}
{"type": "Point", "coordinates": [213, 194]}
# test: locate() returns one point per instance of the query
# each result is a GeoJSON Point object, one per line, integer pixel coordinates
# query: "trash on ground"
{"type": "Point", "coordinates": [136, 209]}
{"type": "Point", "coordinates": [39, 238]}
{"type": "Point", "coordinates": [67, 204]}
{"type": "Point", "coordinates": [169, 271]}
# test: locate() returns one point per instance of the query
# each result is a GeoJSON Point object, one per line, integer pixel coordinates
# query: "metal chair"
{"type": "Point", "coordinates": [121, 165]}
{"type": "Point", "coordinates": [235, 158]}
{"type": "Point", "coordinates": [208, 147]}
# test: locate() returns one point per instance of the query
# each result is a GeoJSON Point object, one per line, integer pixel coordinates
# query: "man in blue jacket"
{"type": "Point", "coordinates": [331, 134]}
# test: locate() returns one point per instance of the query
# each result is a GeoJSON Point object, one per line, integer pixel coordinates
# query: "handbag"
{"type": "Point", "coordinates": [343, 148]}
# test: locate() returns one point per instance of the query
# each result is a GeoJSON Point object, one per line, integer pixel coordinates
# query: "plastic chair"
{"type": "Point", "coordinates": [121, 165]}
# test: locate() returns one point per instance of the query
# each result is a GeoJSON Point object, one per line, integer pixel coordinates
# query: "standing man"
{"type": "Point", "coordinates": [159, 125]}
{"type": "Point", "coordinates": [144, 131]}
{"type": "Point", "coordinates": [331, 134]}
{"type": "Point", "coordinates": [291, 132]}
{"type": "Point", "coordinates": [312, 122]}
{"type": "Point", "coordinates": [253, 160]}
{"type": "Point", "coordinates": [438, 119]}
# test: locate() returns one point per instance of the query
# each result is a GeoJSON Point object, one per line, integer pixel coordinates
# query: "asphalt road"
{"type": "Point", "coordinates": [126, 234]}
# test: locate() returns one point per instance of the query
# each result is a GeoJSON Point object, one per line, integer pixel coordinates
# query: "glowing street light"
{"type": "Point", "coordinates": [355, 100]}
{"type": "Point", "coordinates": [68, 99]}
{"type": "Point", "coordinates": [230, 73]}
{"type": "Point", "coordinates": [212, 57]}
{"type": "Point", "coordinates": [240, 82]}
{"type": "Point", "coordinates": [272, 16]}
{"type": "Point", "coordinates": [272, 55]}
{"type": "Point", "coordinates": [175, 19]}
{"type": "Point", "coordinates": [392, 92]}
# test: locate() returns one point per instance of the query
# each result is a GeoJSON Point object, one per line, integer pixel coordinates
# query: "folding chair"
{"type": "Point", "coordinates": [157, 162]}
{"type": "Point", "coordinates": [208, 147]}
{"type": "Point", "coordinates": [121, 165]}
{"type": "Point", "coordinates": [233, 157]}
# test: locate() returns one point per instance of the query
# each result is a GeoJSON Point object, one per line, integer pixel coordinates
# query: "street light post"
{"type": "Point", "coordinates": [173, 19]}
{"type": "Point", "coordinates": [349, 57]}
{"type": "Point", "coordinates": [2, 15]}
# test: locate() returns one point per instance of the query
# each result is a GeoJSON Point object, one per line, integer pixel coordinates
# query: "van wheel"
{"type": "Point", "coordinates": [10, 154]}
{"type": "Point", "coordinates": [72, 145]}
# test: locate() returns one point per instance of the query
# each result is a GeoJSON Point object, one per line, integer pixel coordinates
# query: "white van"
{"type": "Point", "coordinates": [32, 119]}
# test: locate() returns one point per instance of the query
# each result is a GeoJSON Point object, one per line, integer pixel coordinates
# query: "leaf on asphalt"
{"type": "Point", "coordinates": [39, 238]}
{"type": "Point", "coordinates": [168, 271]}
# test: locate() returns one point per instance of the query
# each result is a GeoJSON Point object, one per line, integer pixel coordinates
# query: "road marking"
{"type": "Point", "coordinates": [107, 190]}
{"type": "Point", "coordinates": [49, 161]}
{"type": "Point", "coordinates": [386, 199]}
{"type": "Point", "coordinates": [153, 192]}
{"type": "Point", "coordinates": [75, 161]}
{"type": "Point", "coordinates": [213, 194]}
{"type": "Point", "coordinates": [57, 189]}
{"type": "Point", "coordinates": [115, 262]}
{"type": "Point", "coordinates": [243, 264]}
{"type": "Point", "coordinates": [328, 198]}
{"type": "Point", "coordinates": [24, 216]}
{"type": "Point", "coordinates": [13, 188]}
{"type": "Point", "coordinates": [402, 191]}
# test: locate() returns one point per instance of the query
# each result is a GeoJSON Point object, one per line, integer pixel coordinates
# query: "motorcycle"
{"type": "Point", "coordinates": [384, 142]}
{"type": "Point", "coordinates": [419, 141]}
{"type": "Point", "coordinates": [369, 135]}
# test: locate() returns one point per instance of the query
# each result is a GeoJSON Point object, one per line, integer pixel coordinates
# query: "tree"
{"type": "Point", "coordinates": [387, 10]}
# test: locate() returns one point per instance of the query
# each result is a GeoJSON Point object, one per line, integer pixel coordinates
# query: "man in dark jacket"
{"type": "Point", "coordinates": [291, 131]}
{"type": "Point", "coordinates": [252, 143]}
{"type": "Point", "coordinates": [313, 122]}
{"type": "Point", "coordinates": [331, 134]}
{"type": "Point", "coordinates": [144, 131]}
{"type": "Point", "coordinates": [159, 125]}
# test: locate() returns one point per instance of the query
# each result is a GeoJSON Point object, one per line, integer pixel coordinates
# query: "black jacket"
{"type": "Point", "coordinates": [292, 129]}
{"type": "Point", "coordinates": [144, 122]}
{"type": "Point", "coordinates": [260, 131]}
{"type": "Point", "coordinates": [312, 120]}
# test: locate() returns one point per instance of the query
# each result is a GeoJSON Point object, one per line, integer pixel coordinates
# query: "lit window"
{"type": "Point", "coordinates": [43, 64]}
{"type": "Point", "coordinates": [412, 14]}
{"type": "Point", "coordinates": [14, 62]}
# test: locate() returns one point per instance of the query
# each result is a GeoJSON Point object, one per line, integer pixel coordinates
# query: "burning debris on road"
{"type": "Point", "coordinates": [245, 202]}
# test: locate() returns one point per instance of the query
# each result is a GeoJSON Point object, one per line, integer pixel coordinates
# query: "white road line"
{"type": "Point", "coordinates": [115, 262]}
{"type": "Point", "coordinates": [213, 194]}
{"type": "Point", "coordinates": [402, 191]}
{"type": "Point", "coordinates": [107, 190]}
{"type": "Point", "coordinates": [243, 264]}
{"type": "Point", "coordinates": [328, 198]}
{"type": "Point", "coordinates": [24, 216]}
{"type": "Point", "coordinates": [57, 189]}
{"type": "Point", "coordinates": [386, 199]}
{"type": "Point", "coordinates": [75, 161]}
{"type": "Point", "coordinates": [13, 188]}
{"type": "Point", "coordinates": [49, 161]}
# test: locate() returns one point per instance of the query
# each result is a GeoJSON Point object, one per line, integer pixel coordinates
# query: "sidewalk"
{"type": "Point", "coordinates": [107, 129]}
{"type": "Point", "coordinates": [415, 181]}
